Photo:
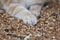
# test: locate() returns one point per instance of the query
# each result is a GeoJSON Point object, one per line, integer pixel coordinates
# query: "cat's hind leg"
{"type": "Point", "coordinates": [21, 12]}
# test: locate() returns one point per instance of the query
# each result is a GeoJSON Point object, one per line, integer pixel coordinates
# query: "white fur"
{"type": "Point", "coordinates": [21, 11]}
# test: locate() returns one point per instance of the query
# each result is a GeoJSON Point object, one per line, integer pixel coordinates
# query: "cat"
{"type": "Point", "coordinates": [26, 10]}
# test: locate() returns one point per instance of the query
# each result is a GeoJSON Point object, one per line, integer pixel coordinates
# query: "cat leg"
{"type": "Point", "coordinates": [35, 10]}
{"type": "Point", "coordinates": [21, 12]}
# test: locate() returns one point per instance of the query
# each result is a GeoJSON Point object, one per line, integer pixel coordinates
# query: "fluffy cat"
{"type": "Point", "coordinates": [27, 10]}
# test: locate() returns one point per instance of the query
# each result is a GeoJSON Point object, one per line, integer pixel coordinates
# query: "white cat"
{"type": "Point", "coordinates": [27, 10]}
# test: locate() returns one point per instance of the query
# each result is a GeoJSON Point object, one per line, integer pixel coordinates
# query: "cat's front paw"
{"type": "Point", "coordinates": [31, 20]}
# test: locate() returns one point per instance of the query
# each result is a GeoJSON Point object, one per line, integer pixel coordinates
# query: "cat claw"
{"type": "Point", "coordinates": [31, 20]}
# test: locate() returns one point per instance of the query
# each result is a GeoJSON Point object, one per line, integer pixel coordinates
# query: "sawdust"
{"type": "Point", "coordinates": [47, 28]}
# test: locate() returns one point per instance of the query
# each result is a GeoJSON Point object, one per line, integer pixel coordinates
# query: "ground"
{"type": "Point", "coordinates": [47, 28]}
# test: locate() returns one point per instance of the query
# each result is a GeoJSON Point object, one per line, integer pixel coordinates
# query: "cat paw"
{"type": "Point", "coordinates": [31, 20]}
